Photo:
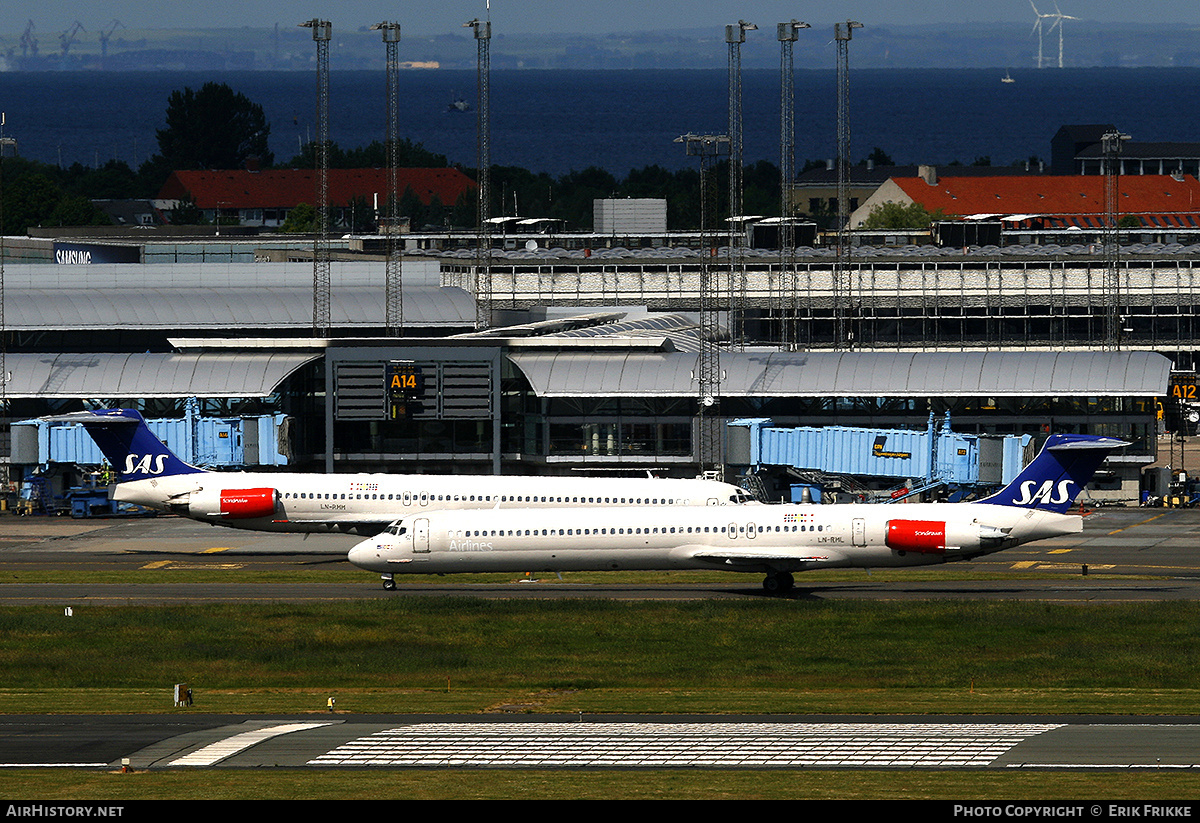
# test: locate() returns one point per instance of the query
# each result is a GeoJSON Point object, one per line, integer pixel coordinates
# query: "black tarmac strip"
{"type": "Point", "coordinates": [105, 742]}
{"type": "Point", "coordinates": [1123, 554]}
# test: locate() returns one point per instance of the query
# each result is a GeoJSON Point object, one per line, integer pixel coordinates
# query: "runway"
{"type": "Point", "coordinates": [551, 742]}
{"type": "Point", "coordinates": [1122, 555]}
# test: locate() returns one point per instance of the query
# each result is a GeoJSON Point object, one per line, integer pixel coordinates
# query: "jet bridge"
{"type": "Point", "coordinates": [891, 464]}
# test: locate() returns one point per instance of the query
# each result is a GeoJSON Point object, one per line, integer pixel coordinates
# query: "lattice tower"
{"type": "Point", "coordinates": [1111, 146]}
{"type": "Point", "coordinates": [841, 275]}
{"type": "Point", "coordinates": [393, 280]}
{"type": "Point", "coordinates": [483, 247]}
{"type": "Point", "coordinates": [734, 37]}
{"type": "Point", "coordinates": [322, 31]}
{"type": "Point", "coordinates": [789, 299]}
{"type": "Point", "coordinates": [708, 363]}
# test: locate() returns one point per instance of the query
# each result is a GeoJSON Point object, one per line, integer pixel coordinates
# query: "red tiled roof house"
{"type": "Point", "coordinates": [1045, 201]}
{"type": "Point", "coordinates": [263, 198]}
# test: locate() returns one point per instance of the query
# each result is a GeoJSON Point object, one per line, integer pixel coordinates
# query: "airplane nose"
{"type": "Point", "coordinates": [362, 554]}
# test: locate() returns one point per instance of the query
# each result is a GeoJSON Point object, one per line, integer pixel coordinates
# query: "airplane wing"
{"type": "Point", "coordinates": [798, 558]}
{"type": "Point", "coordinates": [366, 528]}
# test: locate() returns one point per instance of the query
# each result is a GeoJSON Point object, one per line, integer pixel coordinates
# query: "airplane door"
{"type": "Point", "coordinates": [733, 531]}
{"type": "Point", "coordinates": [712, 501]}
{"type": "Point", "coordinates": [859, 527]}
{"type": "Point", "coordinates": [751, 530]}
{"type": "Point", "coordinates": [421, 534]}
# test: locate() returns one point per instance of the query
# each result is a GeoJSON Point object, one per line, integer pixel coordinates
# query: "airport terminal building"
{"type": "Point", "coordinates": [589, 362]}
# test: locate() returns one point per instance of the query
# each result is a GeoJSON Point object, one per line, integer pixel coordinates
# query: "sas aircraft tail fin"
{"type": "Point", "coordinates": [128, 444]}
{"type": "Point", "coordinates": [1061, 470]}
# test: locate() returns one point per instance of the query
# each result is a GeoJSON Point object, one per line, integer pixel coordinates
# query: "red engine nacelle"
{"type": "Point", "coordinates": [242, 504]}
{"type": "Point", "coordinates": [927, 536]}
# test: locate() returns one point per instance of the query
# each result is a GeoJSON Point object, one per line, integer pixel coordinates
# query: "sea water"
{"type": "Point", "coordinates": [555, 121]}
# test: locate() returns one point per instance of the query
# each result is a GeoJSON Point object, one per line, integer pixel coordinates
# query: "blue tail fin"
{"type": "Point", "coordinates": [128, 444]}
{"type": "Point", "coordinates": [1054, 478]}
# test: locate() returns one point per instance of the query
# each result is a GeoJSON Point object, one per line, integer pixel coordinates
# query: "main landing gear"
{"type": "Point", "coordinates": [778, 583]}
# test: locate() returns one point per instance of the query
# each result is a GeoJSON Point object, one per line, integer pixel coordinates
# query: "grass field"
{"type": "Point", "coordinates": [471, 655]}
{"type": "Point", "coordinates": [682, 784]}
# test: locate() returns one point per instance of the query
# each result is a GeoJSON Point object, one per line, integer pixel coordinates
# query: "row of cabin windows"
{"type": "Point", "coordinates": [646, 530]}
{"type": "Point", "coordinates": [479, 498]}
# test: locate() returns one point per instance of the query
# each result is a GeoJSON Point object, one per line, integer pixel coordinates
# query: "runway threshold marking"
{"type": "Point", "coordinates": [694, 745]}
{"type": "Point", "coordinates": [230, 746]}
{"type": "Point", "coordinates": [1135, 525]}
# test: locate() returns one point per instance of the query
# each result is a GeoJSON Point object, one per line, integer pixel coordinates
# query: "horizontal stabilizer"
{"type": "Point", "coordinates": [93, 418]}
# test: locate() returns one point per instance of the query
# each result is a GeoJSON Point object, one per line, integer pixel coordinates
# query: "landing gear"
{"type": "Point", "coordinates": [389, 583]}
{"type": "Point", "coordinates": [778, 583]}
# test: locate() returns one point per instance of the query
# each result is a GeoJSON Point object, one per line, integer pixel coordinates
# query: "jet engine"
{"type": "Point", "coordinates": [940, 537]}
{"type": "Point", "coordinates": [233, 504]}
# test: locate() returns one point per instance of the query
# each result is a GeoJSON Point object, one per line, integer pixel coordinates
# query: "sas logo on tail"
{"type": "Point", "coordinates": [1049, 493]}
{"type": "Point", "coordinates": [148, 464]}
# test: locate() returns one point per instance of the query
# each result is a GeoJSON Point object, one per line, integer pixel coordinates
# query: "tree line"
{"type": "Point", "coordinates": [217, 128]}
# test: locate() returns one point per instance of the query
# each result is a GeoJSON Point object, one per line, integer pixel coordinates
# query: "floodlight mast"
{"type": "Point", "coordinates": [393, 284]}
{"type": "Point", "coordinates": [483, 151]}
{"type": "Point", "coordinates": [843, 334]}
{"type": "Point", "coordinates": [322, 31]}
{"type": "Point", "coordinates": [788, 34]}
{"type": "Point", "coordinates": [735, 35]}
{"type": "Point", "coordinates": [1110, 144]}
{"type": "Point", "coordinates": [708, 372]}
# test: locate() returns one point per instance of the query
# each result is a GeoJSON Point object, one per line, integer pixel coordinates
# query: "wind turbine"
{"type": "Point", "coordinates": [1037, 27]}
{"type": "Point", "coordinates": [1058, 18]}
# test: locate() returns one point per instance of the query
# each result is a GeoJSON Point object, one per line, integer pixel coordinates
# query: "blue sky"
{"type": "Point", "coordinates": [556, 16]}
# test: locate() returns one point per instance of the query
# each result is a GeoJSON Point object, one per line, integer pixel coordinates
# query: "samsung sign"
{"type": "Point", "coordinates": [85, 254]}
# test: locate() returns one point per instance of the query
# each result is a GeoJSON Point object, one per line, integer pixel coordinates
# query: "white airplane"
{"type": "Point", "coordinates": [777, 540]}
{"type": "Point", "coordinates": [151, 476]}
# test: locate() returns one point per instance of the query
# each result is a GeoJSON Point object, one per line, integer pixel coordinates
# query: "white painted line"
{"type": "Point", "coordinates": [1125, 766]}
{"type": "Point", "coordinates": [52, 765]}
{"type": "Point", "coordinates": [215, 752]}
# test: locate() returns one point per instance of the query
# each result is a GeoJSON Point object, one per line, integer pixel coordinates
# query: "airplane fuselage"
{"type": "Point", "coordinates": [771, 538]}
{"type": "Point", "coordinates": [367, 503]}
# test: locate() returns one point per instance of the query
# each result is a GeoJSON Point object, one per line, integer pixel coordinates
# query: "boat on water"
{"type": "Point", "coordinates": [1007, 78]}
{"type": "Point", "coordinates": [458, 104]}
